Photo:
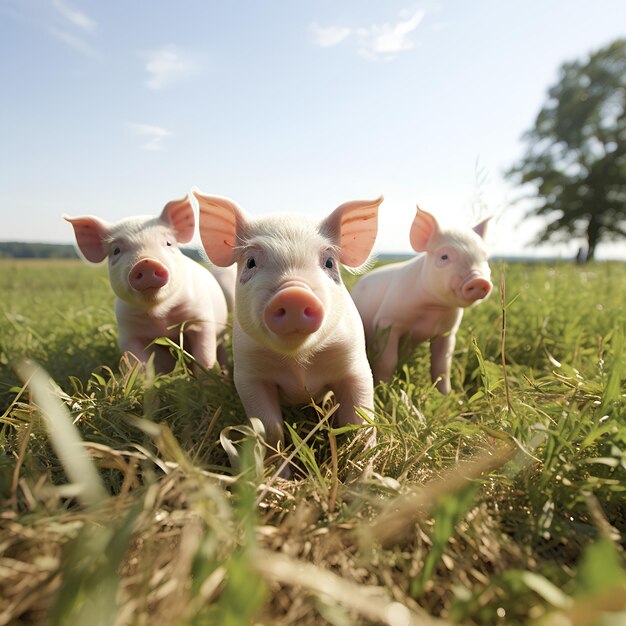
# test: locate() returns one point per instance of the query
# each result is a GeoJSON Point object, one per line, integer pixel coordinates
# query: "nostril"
{"type": "Point", "coordinates": [476, 289]}
{"type": "Point", "coordinates": [294, 310]}
{"type": "Point", "coordinates": [148, 274]}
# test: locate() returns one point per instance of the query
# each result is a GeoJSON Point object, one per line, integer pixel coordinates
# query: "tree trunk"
{"type": "Point", "coordinates": [593, 238]}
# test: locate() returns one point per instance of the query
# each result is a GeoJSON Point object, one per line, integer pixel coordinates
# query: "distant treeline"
{"type": "Point", "coordinates": [26, 250]}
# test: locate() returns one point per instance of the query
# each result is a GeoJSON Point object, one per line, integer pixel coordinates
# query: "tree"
{"type": "Point", "coordinates": [576, 154]}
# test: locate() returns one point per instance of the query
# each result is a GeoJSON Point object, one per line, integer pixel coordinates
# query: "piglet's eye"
{"type": "Point", "coordinates": [168, 242]}
{"type": "Point", "coordinates": [251, 263]}
{"type": "Point", "coordinates": [116, 250]}
{"type": "Point", "coordinates": [329, 263]}
{"type": "Point", "coordinates": [444, 257]}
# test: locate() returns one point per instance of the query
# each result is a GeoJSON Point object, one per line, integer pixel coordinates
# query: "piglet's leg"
{"type": "Point", "coordinates": [163, 361]}
{"type": "Point", "coordinates": [203, 344]}
{"type": "Point", "coordinates": [385, 365]}
{"type": "Point", "coordinates": [136, 347]}
{"type": "Point", "coordinates": [441, 349]}
{"type": "Point", "coordinates": [261, 400]}
{"type": "Point", "coordinates": [357, 391]}
{"type": "Point", "coordinates": [350, 393]}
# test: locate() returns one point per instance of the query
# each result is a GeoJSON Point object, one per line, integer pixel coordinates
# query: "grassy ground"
{"type": "Point", "coordinates": [502, 503]}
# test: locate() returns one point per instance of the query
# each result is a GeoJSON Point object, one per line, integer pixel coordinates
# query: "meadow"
{"type": "Point", "coordinates": [502, 503]}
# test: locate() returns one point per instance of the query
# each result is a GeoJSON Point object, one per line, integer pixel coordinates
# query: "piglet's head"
{"type": "Point", "coordinates": [289, 293]}
{"type": "Point", "coordinates": [142, 252]}
{"type": "Point", "coordinates": [456, 268]}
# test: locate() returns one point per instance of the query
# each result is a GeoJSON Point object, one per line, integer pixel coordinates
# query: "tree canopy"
{"type": "Point", "coordinates": [576, 153]}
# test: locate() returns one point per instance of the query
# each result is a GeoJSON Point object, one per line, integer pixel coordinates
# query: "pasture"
{"type": "Point", "coordinates": [502, 503]}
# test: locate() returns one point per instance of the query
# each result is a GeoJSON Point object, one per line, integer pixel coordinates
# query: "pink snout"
{"type": "Point", "coordinates": [148, 274]}
{"type": "Point", "coordinates": [292, 310]}
{"type": "Point", "coordinates": [476, 289]}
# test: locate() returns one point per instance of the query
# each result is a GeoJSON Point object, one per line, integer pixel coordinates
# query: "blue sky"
{"type": "Point", "coordinates": [113, 108]}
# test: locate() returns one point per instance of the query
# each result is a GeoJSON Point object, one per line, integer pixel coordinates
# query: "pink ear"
{"type": "Point", "coordinates": [179, 213]}
{"type": "Point", "coordinates": [90, 232]}
{"type": "Point", "coordinates": [423, 230]}
{"type": "Point", "coordinates": [220, 222]}
{"type": "Point", "coordinates": [481, 229]}
{"type": "Point", "coordinates": [355, 226]}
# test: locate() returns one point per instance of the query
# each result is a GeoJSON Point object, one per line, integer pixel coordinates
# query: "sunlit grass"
{"type": "Point", "coordinates": [502, 503]}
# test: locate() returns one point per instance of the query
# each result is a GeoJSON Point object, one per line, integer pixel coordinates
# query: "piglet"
{"type": "Point", "coordinates": [158, 288]}
{"type": "Point", "coordinates": [296, 331]}
{"type": "Point", "coordinates": [424, 297]}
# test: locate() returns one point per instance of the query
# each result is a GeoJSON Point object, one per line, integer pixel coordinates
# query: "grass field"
{"type": "Point", "coordinates": [502, 503]}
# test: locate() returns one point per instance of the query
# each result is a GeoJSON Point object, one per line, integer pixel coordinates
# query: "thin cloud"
{"type": "Point", "coordinates": [372, 42]}
{"type": "Point", "coordinates": [69, 20]}
{"type": "Point", "coordinates": [392, 38]}
{"type": "Point", "coordinates": [74, 16]}
{"type": "Point", "coordinates": [169, 65]}
{"type": "Point", "coordinates": [151, 137]}
{"type": "Point", "coordinates": [76, 43]}
{"type": "Point", "coordinates": [329, 36]}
